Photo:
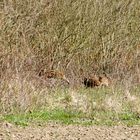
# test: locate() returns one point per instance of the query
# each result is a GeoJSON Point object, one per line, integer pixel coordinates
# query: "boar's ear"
{"type": "Point", "coordinates": [100, 78]}
{"type": "Point", "coordinates": [85, 79]}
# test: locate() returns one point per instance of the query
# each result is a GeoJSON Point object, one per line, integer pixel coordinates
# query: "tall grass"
{"type": "Point", "coordinates": [70, 35]}
{"type": "Point", "coordinates": [78, 37]}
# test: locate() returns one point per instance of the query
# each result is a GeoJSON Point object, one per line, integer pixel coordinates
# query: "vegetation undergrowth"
{"type": "Point", "coordinates": [77, 38]}
{"type": "Point", "coordinates": [70, 117]}
{"type": "Point", "coordinates": [100, 106]}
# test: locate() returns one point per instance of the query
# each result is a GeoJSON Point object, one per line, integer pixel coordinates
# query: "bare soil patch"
{"type": "Point", "coordinates": [67, 132]}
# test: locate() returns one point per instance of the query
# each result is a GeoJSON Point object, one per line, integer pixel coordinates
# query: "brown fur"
{"type": "Point", "coordinates": [96, 81]}
{"type": "Point", "coordinates": [93, 81]}
{"type": "Point", "coordinates": [104, 81]}
{"type": "Point", "coordinates": [53, 74]}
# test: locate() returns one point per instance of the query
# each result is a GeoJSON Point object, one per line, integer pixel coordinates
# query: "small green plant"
{"type": "Point", "coordinates": [71, 117]}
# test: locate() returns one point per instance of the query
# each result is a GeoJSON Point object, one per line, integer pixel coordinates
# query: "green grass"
{"type": "Point", "coordinates": [71, 117]}
{"type": "Point", "coordinates": [75, 37]}
{"type": "Point", "coordinates": [81, 107]}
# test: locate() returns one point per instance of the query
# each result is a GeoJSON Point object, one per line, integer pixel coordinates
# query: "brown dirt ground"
{"type": "Point", "coordinates": [67, 132]}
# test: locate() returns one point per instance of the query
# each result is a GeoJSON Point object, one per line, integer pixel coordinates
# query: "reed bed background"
{"type": "Point", "coordinates": [78, 37]}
